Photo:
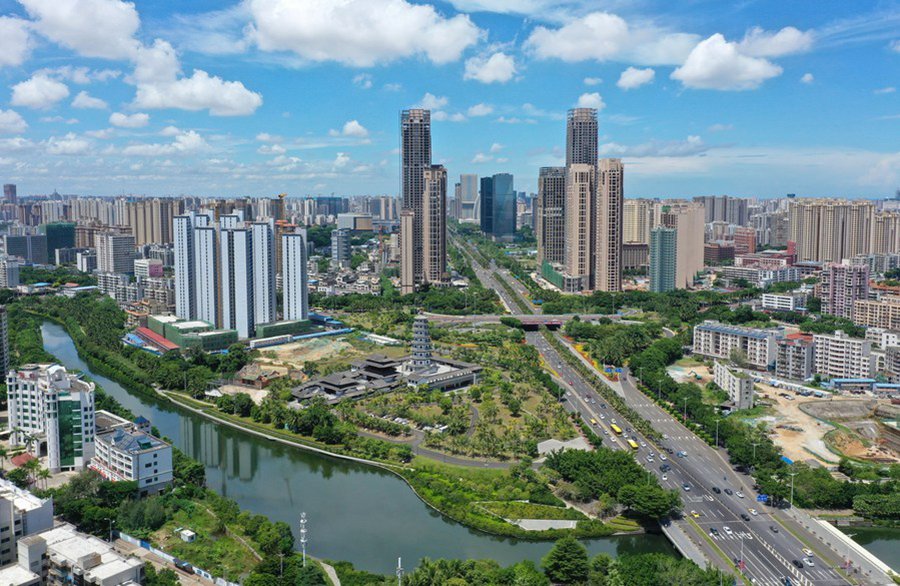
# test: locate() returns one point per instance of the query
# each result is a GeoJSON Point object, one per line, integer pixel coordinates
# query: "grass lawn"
{"type": "Point", "coordinates": [518, 510]}
{"type": "Point", "coordinates": [213, 550]}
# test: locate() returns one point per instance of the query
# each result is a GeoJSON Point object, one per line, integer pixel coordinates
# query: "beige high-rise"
{"type": "Point", "coordinates": [688, 221]}
{"type": "Point", "coordinates": [407, 253]}
{"type": "Point", "coordinates": [886, 233]}
{"type": "Point", "coordinates": [151, 220]}
{"type": "Point", "coordinates": [580, 190]}
{"type": "Point", "coordinates": [434, 225]}
{"type": "Point", "coordinates": [607, 273]}
{"type": "Point", "coordinates": [831, 230]}
{"type": "Point", "coordinates": [636, 220]}
{"type": "Point", "coordinates": [415, 159]}
{"type": "Point", "coordinates": [550, 221]}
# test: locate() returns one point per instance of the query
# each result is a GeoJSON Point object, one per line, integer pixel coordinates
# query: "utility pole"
{"type": "Point", "coordinates": [717, 433]}
{"type": "Point", "coordinates": [303, 536]}
{"type": "Point", "coordinates": [792, 474]}
{"type": "Point", "coordinates": [685, 410]}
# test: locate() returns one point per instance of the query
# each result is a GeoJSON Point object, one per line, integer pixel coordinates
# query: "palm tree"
{"type": "Point", "coordinates": [4, 453]}
{"type": "Point", "coordinates": [44, 475]}
{"type": "Point", "coordinates": [32, 466]}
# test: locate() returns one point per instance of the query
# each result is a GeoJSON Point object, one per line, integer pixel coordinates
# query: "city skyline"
{"type": "Point", "coordinates": [760, 100]}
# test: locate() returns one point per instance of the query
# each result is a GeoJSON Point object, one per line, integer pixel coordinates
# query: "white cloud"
{"type": "Point", "coordinates": [58, 120]}
{"type": "Point", "coordinates": [266, 137]}
{"type": "Point", "coordinates": [718, 64]}
{"type": "Point", "coordinates": [481, 109]}
{"type": "Point", "coordinates": [432, 102]}
{"type": "Point", "coordinates": [885, 90]}
{"type": "Point", "coordinates": [341, 160]}
{"type": "Point", "coordinates": [601, 36]}
{"type": "Point", "coordinates": [363, 80]}
{"type": "Point", "coordinates": [760, 43]}
{"type": "Point", "coordinates": [496, 147]}
{"type": "Point", "coordinates": [693, 145]}
{"type": "Point", "coordinates": [136, 120]}
{"type": "Point", "coordinates": [12, 123]}
{"type": "Point", "coordinates": [70, 144]}
{"type": "Point", "coordinates": [80, 75]}
{"type": "Point", "coordinates": [86, 101]}
{"type": "Point", "coordinates": [351, 128]}
{"type": "Point", "coordinates": [392, 87]}
{"type": "Point", "coordinates": [359, 33]}
{"type": "Point", "coordinates": [895, 46]}
{"type": "Point", "coordinates": [15, 42]}
{"type": "Point", "coordinates": [497, 68]}
{"type": "Point", "coordinates": [592, 81]}
{"type": "Point", "coordinates": [721, 127]}
{"type": "Point", "coordinates": [102, 134]}
{"type": "Point", "coordinates": [633, 78]}
{"type": "Point", "coordinates": [271, 149]}
{"type": "Point", "coordinates": [441, 116]}
{"type": "Point", "coordinates": [480, 158]}
{"type": "Point", "coordinates": [591, 100]}
{"type": "Point", "coordinates": [807, 78]}
{"type": "Point", "coordinates": [184, 143]}
{"type": "Point", "coordinates": [93, 28]}
{"type": "Point", "coordinates": [39, 92]}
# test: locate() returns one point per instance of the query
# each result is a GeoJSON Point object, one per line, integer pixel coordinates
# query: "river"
{"type": "Point", "coordinates": [355, 512]}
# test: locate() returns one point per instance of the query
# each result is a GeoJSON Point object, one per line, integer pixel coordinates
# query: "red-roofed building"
{"type": "Point", "coordinates": [21, 459]}
{"type": "Point", "coordinates": [151, 338]}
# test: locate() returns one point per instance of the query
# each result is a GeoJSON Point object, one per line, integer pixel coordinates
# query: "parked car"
{"type": "Point", "coordinates": [727, 530]}
{"type": "Point", "coordinates": [717, 490]}
{"type": "Point", "coordinates": [686, 486]}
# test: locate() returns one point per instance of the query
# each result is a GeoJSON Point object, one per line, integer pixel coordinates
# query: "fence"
{"type": "Point", "coordinates": [178, 563]}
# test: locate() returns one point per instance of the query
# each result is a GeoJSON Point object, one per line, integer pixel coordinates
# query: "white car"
{"type": "Point", "coordinates": [739, 494]}
{"type": "Point", "coordinates": [650, 458]}
{"type": "Point", "coordinates": [602, 416]}
{"type": "Point", "coordinates": [727, 530]}
{"type": "Point", "coordinates": [808, 562]}
{"type": "Point", "coordinates": [662, 457]}
{"type": "Point", "coordinates": [643, 445]}
{"type": "Point", "coordinates": [665, 477]}
{"type": "Point", "coordinates": [753, 512]}
{"type": "Point", "coordinates": [807, 552]}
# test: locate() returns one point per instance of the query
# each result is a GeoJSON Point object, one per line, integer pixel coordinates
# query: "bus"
{"type": "Point", "coordinates": [593, 421]}
{"type": "Point", "coordinates": [633, 444]}
{"type": "Point", "coordinates": [616, 429]}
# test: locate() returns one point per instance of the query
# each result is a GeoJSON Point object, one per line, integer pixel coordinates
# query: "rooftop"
{"type": "Point", "coordinates": [131, 441]}
{"type": "Point", "coordinates": [22, 499]}
{"type": "Point", "coordinates": [714, 326]}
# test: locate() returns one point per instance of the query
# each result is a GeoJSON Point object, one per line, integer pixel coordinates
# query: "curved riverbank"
{"type": "Point", "coordinates": [357, 512]}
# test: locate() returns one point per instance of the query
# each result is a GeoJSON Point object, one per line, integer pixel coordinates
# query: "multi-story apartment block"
{"type": "Point", "coordinates": [831, 230]}
{"type": "Point", "coordinates": [841, 286]}
{"type": "Point", "coordinates": [52, 411]}
{"type": "Point", "coordinates": [737, 384]}
{"type": "Point", "coordinates": [115, 253]}
{"type": "Point", "coordinates": [662, 258]}
{"type": "Point", "coordinates": [607, 271]}
{"type": "Point", "coordinates": [129, 454]}
{"type": "Point", "coordinates": [550, 216]}
{"type": "Point", "coordinates": [434, 225]}
{"type": "Point", "coordinates": [718, 340]}
{"type": "Point", "coordinates": [21, 514]}
{"type": "Point", "coordinates": [784, 301]}
{"type": "Point", "coordinates": [295, 285]}
{"type": "Point", "coordinates": [840, 356]}
{"type": "Point", "coordinates": [762, 278]}
{"type": "Point", "coordinates": [637, 214]}
{"type": "Point", "coordinates": [795, 358]}
{"type": "Point", "coordinates": [884, 313]}
{"type": "Point", "coordinates": [9, 273]}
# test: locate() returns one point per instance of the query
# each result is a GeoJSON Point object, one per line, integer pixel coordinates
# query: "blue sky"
{"type": "Point", "coordinates": [751, 98]}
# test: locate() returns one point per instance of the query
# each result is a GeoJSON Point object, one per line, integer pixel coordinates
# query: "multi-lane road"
{"type": "Point", "coordinates": [719, 503]}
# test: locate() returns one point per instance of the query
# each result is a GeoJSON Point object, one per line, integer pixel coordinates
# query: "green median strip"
{"type": "Point", "coordinates": [716, 548]}
{"type": "Point", "coordinates": [816, 550]}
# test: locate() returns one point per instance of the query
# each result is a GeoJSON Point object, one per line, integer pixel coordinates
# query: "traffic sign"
{"type": "Point", "coordinates": [762, 498]}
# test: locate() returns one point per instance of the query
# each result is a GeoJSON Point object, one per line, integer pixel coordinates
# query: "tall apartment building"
{"type": "Point", "coordinates": [883, 313]}
{"type": "Point", "coordinates": [830, 230]}
{"type": "Point", "coordinates": [340, 249]}
{"type": "Point", "coordinates": [687, 221]}
{"type": "Point", "coordinates": [263, 241]}
{"type": "Point", "coordinates": [486, 205]}
{"type": "Point", "coordinates": [184, 262]}
{"type": "Point", "coordinates": [9, 273]}
{"type": "Point", "coordinates": [9, 193]}
{"type": "Point", "coordinates": [551, 215]}
{"type": "Point", "coordinates": [115, 253]}
{"type": "Point", "coordinates": [580, 190]}
{"type": "Point", "coordinates": [294, 280]}
{"type": "Point", "coordinates": [52, 410]}
{"type": "Point", "coordinates": [840, 356]}
{"type": "Point", "coordinates": [582, 137]}
{"type": "Point", "coordinates": [434, 226]}
{"type": "Point", "coordinates": [718, 340]}
{"type": "Point", "coordinates": [886, 232]}
{"type": "Point", "coordinates": [4, 339]}
{"type": "Point", "coordinates": [206, 287]}
{"type": "Point", "coordinates": [151, 220]}
{"type": "Point", "coordinates": [841, 286]}
{"type": "Point", "coordinates": [608, 221]}
{"type": "Point", "coordinates": [32, 248]}
{"type": "Point", "coordinates": [21, 514]}
{"type": "Point", "coordinates": [59, 235]}
{"type": "Point", "coordinates": [662, 258]}
{"type": "Point", "coordinates": [744, 240]}
{"type": "Point", "coordinates": [636, 220]}
{"type": "Point", "coordinates": [724, 208]}
{"type": "Point", "coordinates": [415, 159]}
{"type": "Point", "coordinates": [238, 300]}
{"type": "Point", "coordinates": [407, 252]}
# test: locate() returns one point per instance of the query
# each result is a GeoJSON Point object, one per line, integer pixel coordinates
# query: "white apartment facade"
{"type": "Point", "coordinates": [21, 514]}
{"type": "Point", "coordinates": [718, 340]}
{"type": "Point", "coordinates": [737, 384]}
{"type": "Point", "coordinates": [294, 280]}
{"type": "Point", "coordinates": [840, 356]}
{"type": "Point", "coordinates": [52, 411]}
{"type": "Point", "coordinates": [136, 456]}
{"type": "Point", "coordinates": [784, 301]}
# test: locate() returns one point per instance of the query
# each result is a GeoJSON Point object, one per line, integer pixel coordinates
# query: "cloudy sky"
{"type": "Point", "coordinates": [211, 97]}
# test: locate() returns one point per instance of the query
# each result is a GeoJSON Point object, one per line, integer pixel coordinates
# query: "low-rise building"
{"type": "Point", "coordinates": [52, 411]}
{"type": "Point", "coordinates": [840, 356]}
{"type": "Point", "coordinates": [62, 555]}
{"type": "Point", "coordinates": [737, 384]}
{"type": "Point", "coordinates": [129, 454]}
{"type": "Point", "coordinates": [795, 357]}
{"type": "Point", "coordinates": [760, 277]}
{"type": "Point", "coordinates": [21, 514]}
{"type": "Point", "coordinates": [793, 301]}
{"type": "Point", "coordinates": [718, 340]}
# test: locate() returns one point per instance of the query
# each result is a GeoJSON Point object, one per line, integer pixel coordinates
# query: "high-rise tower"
{"type": "Point", "coordinates": [581, 137]}
{"type": "Point", "coordinates": [550, 220]}
{"type": "Point", "coordinates": [608, 234]}
{"type": "Point", "coordinates": [415, 159]}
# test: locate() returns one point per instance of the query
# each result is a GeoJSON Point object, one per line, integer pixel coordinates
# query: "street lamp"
{"type": "Point", "coordinates": [792, 474]}
{"type": "Point", "coordinates": [848, 563]}
{"type": "Point", "coordinates": [717, 433]}
{"type": "Point", "coordinates": [754, 444]}
{"type": "Point", "coordinates": [685, 410]}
